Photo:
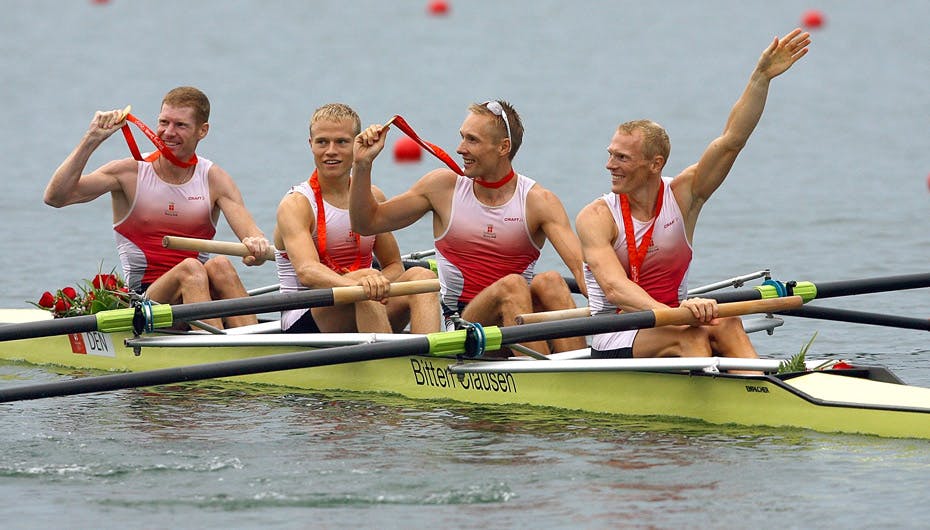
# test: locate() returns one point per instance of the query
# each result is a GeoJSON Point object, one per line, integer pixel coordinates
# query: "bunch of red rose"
{"type": "Point", "coordinates": [104, 292]}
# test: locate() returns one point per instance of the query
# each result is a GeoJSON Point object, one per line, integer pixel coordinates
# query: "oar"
{"type": "Point", "coordinates": [807, 290]}
{"type": "Point", "coordinates": [226, 248]}
{"type": "Point", "coordinates": [859, 317]}
{"type": "Point", "coordinates": [550, 316]}
{"type": "Point", "coordinates": [820, 290]}
{"type": "Point", "coordinates": [165, 315]}
{"type": "Point", "coordinates": [437, 344]}
{"type": "Point", "coordinates": [233, 248]}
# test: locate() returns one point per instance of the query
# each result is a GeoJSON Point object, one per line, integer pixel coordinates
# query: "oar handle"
{"type": "Point", "coordinates": [356, 293]}
{"type": "Point", "coordinates": [549, 316]}
{"type": "Point", "coordinates": [226, 248]}
{"type": "Point", "coordinates": [682, 315]}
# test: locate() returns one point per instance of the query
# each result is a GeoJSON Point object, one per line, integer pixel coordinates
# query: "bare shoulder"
{"type": "Point", "coordinates": [685, 179]}
{"type": "Point", "coordinates": [593, 210]}
{"type": "Point", "coordinates": [437, 179]}
{"type": "Point", "coordinates": [120, 169]}
{"type": "Point", "coordinates": [218, 174]}
{"type": "Point", "coordinates": [435, 187]}
{"type": "Point", "coordinates": [222, 184]}
{"type": "Point", "coordinates": [541, 197]}
{"type": "Point", "coordinates": [595, 225]}
{"type": "Point", "coordinates": [293, 202]}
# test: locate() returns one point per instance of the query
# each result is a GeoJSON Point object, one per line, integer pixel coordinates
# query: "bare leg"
{"type": "Point", "coordinates": [728, 338]}
{"type": "Point", "coordinates": [725, 337]}
{"type": "Point", "coordinates": [187, 282]}
{"type": "Point", "coordinates": [226, 284]}
{"type": "Point", "coordinates": [551, 293]}
{"type": "Point", "coordinates": [421, 311]}
{"type": "Point", "coordinates": [500, 303]}
{"type": "Point", "coordinates": [364, 317]}
{"type": "Point", "coordinates": [672, 341]}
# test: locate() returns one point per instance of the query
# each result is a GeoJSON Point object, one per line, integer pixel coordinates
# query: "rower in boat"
{"type": "Point", "coordinates": [170, 191]}
{"type": "Point", "coordinates": [637, 239]}
{"type": "Point", "coordinates": [489, 224]}
{"type": "Point", "coordinates": [316, 247]}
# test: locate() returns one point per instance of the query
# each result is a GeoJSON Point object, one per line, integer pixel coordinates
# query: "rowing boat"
{"type": "Point", "coordinates": [830, 396]}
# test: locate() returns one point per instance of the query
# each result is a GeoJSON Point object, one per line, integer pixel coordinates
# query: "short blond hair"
{"type": "Point", "coordinates": [336, 112]}
{"type": "Point", "coordinates": [188, 96]}
{"type": "Point", "coordinates": [655, 139]}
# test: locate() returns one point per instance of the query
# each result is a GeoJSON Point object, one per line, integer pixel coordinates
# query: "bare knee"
{"type": "Point", "coordinates": [548, 281]}
{"type": "Point", "coordinates": [550, 292]}
{"type": "Point", "coordinates": [192, 270]}
{"type": "Point", "coordinates": [416, 274]}
{"type": "Point", "coordinates": [695, 342]}
{"type": "Point", "coordinates": [730, 325]}
{"type": "Point", "coordinates": [220, 270]}
{"type": "Point", "coordinates": [512, 284]}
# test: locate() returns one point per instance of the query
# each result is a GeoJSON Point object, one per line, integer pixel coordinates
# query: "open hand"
{"type": "Point", "coordinates": [781, 54]}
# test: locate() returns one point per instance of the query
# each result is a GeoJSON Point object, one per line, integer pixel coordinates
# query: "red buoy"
{"type": "Point", "coordinates": [438, 7]}
{"type": "Point", "coordinates": [406, 150]}
{"type": "Point", "coordinates": [812, 19]}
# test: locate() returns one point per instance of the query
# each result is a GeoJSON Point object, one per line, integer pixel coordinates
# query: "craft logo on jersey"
{"type": "Point", "coordinates": [171, 211]}
{"type": "Point", "coordinates": [489, 233]}
{"type": "Point", "coordinates": [351, 237]}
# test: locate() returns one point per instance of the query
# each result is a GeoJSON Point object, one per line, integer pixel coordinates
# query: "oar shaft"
{"type": "Point", "coordinates": [233, 248]}
{"type": "Point", "coordinates": [297, 300]}
{"type": "Point", "coordinates": [212, 309]}
{"type": "Point", "coordinates": [873, 285]}
{"type": "Point", "coordinates": [839, 288]}
{"type": "Point", "coordinates": [180, 374]}
{"type": "Point", "coordinates": [860, 317]}
{"type": "Point", "coordinates": [47, 328]}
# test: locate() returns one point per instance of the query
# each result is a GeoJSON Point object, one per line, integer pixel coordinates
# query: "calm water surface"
{"type": "Point", "coordinates": [832, 186]}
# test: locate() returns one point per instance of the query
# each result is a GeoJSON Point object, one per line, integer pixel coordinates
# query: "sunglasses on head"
{"type": "Point", "coordinates": [498, 109]}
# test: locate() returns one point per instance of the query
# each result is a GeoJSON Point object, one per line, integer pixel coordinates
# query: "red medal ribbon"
{"type": "Point", "coordinates": [321, 231]}
{"type": "Point", "coordinates": [498, 184]}
{"type": "Point", "coordinates": [637, 255]}
{"type": "Point", "coordinates": [437, 151]}
{"type": "Point", "coordinates": [159, 144]}
{"type": "Point", "coordinates": [432, 149]}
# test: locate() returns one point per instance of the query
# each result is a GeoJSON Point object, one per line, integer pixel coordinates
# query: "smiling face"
{"type": "Point", "coordinates": [178, 128]}
{"type": "Point", "coordinates": [331, 142]}
{"type": "Point", "coordinates": [482, 147]}
{"type": "Point", "coordinates": [628, 168]}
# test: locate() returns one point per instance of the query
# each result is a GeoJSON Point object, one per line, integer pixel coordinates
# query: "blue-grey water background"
{"type": "Point", "coordinates": [832, 186]}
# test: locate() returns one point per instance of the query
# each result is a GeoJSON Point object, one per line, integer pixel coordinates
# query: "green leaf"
{"type": "Point", "coordinates": [796, 363]}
